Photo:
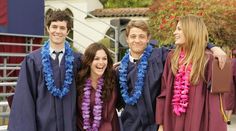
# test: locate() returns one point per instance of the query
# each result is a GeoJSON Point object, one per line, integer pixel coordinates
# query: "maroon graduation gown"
{"type": "Point", "coordinates": [109, 120]}
{"type": "Point", "coordinates": [203, 112]}
{"type": "Point", "coordinates": [230, 98]}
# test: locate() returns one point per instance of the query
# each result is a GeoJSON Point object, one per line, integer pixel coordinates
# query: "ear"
{"type": "Point", "coordinates": [126, 38]}
{"type": "Point", "coordinates": [47, 29]}
{"type": "Point", "coordinates": [68, 32]}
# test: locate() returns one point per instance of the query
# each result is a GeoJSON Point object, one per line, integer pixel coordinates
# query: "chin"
{"type": "Point", "coordinates": [178, 43]}
{"type": "Point", "coordinates": [100, 74]}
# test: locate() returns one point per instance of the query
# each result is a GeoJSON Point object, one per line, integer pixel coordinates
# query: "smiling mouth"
{"type": "Point", "coordinates": [56, 36]}
{"type": "Point", "coordinates": [177, 37]}
{"type": "Point", "coordinates": [100, 68]}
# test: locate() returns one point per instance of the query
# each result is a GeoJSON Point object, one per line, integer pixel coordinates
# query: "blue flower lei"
{"type": "Point", "coordinates": [141, 73]}
{"type": "Point", "coordinates": [48, 74]}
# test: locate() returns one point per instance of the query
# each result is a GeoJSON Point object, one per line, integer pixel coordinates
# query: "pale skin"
{"type": "Point", "coordinates": [98, 67]}
{"type": "Point", "coordinates": [217, 52]}
{"type": "Point", "coordinates": [137, 41]}
{"type": "Point", "coordinates": [57, 34]}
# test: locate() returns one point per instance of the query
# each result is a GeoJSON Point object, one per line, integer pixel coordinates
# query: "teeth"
{"type": "Point", "coordinates": [100, 67]}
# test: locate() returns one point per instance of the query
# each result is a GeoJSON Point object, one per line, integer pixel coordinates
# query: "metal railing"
{"type": "Point", "coordinates": [6, 80]}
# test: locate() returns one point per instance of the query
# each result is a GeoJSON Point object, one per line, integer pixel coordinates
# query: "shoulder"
{"type": "Point", "coordinates": [34, 55]}
{"type": "Point", "coordinates": [32, 60]}
{"type": "Point", "coordinates": [77, 55]}
{"type": "Point", "coordinates": [156, 53]}
{"type": "Point", "coordinates": [169, 56]}
{"type": "Point", "coordinates": [160, 53]}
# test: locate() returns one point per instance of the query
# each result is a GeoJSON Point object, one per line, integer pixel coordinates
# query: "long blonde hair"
{"type": "Point", "coordinates": [196, 38]}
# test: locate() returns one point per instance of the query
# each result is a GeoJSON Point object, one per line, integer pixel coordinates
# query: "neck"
{"type": "Point", "coordinates": [56, 47]}
{"type": "Point", "coordinates": [94, 80]}
{"type": "Point", "coordinates": [135, 55]}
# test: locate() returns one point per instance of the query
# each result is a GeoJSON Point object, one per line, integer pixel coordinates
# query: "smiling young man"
{"type": "Point", "coordinates": [45, 96]}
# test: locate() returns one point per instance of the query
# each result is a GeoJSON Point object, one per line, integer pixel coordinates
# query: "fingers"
{"type": "Point", "coordinates": [222, 61]}
{"type": "Point", "coordinates": [116, 65]}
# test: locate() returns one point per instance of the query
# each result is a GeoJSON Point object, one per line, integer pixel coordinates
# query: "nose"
{"type": "Point", "coordinates": [101, 61]}
{"type": "Point", "coordinates": [137, 39]}
{"type": "Point", "coordinates": [175, 32]}
{"type": "Point", "coordinates": [58, 30]}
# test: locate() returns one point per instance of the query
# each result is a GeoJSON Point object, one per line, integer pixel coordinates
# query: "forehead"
{"type": "Point", "coordinates": [136, 31]}
{"type": "Point", "coordinates": [59, 23]}
{"type": "Point", "coordinates": [100, 53]}
{"type": "Point", "coordinates": [179, 24]}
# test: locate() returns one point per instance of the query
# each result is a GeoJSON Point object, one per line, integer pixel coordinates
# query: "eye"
{"type": "Point", "coordinates": [54, 26]}
{"type": "Point", "coordinates": [142, 36]}
{"type": "Point", "coordinates": [63, 28]}
{"type": "Point", "coordinates": [104, 58]}
{"type": "Point", "coordinates": [179, 28]}
{"type": "Point", "coordinates": [133, 36]}
{"type": "Point", "coordinates": [96, 58]}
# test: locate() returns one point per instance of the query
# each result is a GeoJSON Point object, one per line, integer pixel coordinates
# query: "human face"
{"type": "Point", "coordinates": [99, 64]}
{"type": "Point", "coordinates": [179, 35]}
{"type": "Point", "coordinates": [57, 32]}
{"type": "Point", "coordinates": [137, 40]}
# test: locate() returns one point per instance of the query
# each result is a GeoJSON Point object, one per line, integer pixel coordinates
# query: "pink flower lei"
{"type": "Point", "coordinates": [97, 108]}
{"type": "Point", "coordinates": [181, 87]}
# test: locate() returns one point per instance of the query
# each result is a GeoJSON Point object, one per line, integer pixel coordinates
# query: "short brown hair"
{"type": "Point", "coordinates": [141, 24]}
{"type": "Point", "coordinates": [59, 15]}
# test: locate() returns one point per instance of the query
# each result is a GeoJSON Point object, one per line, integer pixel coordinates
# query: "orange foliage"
{"type": "Point", "coordinates": [219, 16]}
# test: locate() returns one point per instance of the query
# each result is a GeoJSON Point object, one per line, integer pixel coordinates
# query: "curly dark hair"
{"type": "Point", "coordinates": [59, 15]}
{"type": "Point", "coordinates": [84, 73]}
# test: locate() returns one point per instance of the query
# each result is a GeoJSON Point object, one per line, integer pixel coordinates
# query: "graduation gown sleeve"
{"type": "Point", "coordinates": [160, 100]}
{"type": "Point", "coordinates": [22, 116]}
{"type": "Point", "coordinates": [229, 97]}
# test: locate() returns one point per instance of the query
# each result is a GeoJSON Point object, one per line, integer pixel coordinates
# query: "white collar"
{"type": "Point", "coordinates": [132, 59]}
{"type": "Point", "coordinates": [52, 50]}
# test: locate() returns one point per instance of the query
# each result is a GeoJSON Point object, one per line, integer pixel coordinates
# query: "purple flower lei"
{"type": "Point", "coordinates": [97, 108]}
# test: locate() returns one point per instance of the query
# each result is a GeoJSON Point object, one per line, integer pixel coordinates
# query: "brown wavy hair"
{"type": "Point", "coordinates": [84, 73]}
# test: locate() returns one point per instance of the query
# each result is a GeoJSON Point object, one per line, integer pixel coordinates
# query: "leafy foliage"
{"type": "Point", "coordinates": [126, 3]}
{"type": "Point", "coordinates": [219, 16]}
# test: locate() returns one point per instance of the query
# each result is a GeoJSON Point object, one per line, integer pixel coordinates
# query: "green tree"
{"type": "Point", "coordinates": [219, 16]}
